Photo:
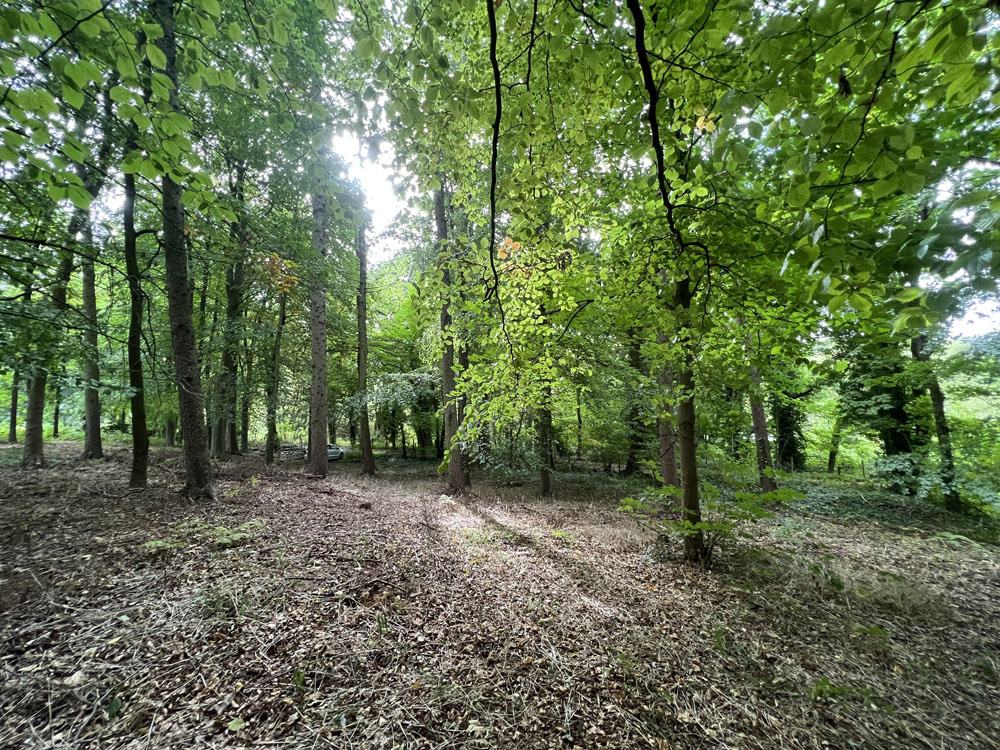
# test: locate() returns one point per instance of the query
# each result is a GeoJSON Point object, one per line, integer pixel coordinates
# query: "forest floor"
{"type": "Point", "coordinates": [350, 613]}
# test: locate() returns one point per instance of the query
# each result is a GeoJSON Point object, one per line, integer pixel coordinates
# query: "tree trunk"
{"type": "Point", "coordinates": [666, 431]}
{"type": "Point", "coordinates": [93, 180]}
{"type": "Point", "coordinates": [455, 477]}
{"type": "Point", "coordinates": [274, 380]}
{"type": "Point", "coordinates": [56, 397]}
{"type": "Point", "coordinates": [198, 465]}
{"type": "Point", "coordinates": [137, 402]}
{"type": "Point", "coordinates": [317, 334]}
{"type": "Point", "coordinates": [694, 543]}
{"type": "Point", "coordinates": [579, 423]}
{"type": "Point", "coordinates": [34, 445]}
{"type": "Point", "coordinates": [245, 403]}
{"type": "Point", "coordinates": [952, 499]}
{"type": "Point", "coordinates": [831, 462]}
{"type": "Point", "coordinates": [235, 283]}
{"type": "Point", "coordinates": [15, 388]}
{"type": "Point", "coordinates": [765, 466]}
{"type": "Point", "coordinates": [463, 403]}
{"type": "Point", "coordinates": [33, 454]}
{"type": "Point", "coordinates": [217, 436]}
{"type": "Point", "coordinates": [367, 455]}
{"type": "Point", "coordinates": [545, 441]}
{"type": "Point", "coordinates": [92, 445]}
{"type": "Point", "coordinates": [634, 410]}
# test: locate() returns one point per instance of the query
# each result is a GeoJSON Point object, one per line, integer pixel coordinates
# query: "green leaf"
{"type": "Point", "coordinates": [156, 56]}
{"type": "Point", "coordinates": [73, 97]}
{"type": "Point", "coordinates": [798, 194]}
{"type": "Point", "coordinates": [236, 724]}
{"type": "Point", "coordinates": [119, 94]}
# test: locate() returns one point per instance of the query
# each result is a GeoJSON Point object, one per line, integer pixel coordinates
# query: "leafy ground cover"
{"type": "Point", "coordinates": [297, 612]}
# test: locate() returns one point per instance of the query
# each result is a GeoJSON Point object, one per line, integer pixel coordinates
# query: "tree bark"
{"type": "Point", "coordinates": [245, 401]}
{"type": "Point", "coordinates": [831, 462]}
{"type": "Point", "coordinates": [198, 465]}
{"type": "Point", "coordinates": [579, 423]}
{"type": "Point", "coordinates": [34, 449]}
{"type": "Point", "coordinates": [545, 441]}
{"type": "Point", "coordinates": [33, 454]}
{"type": "Point", "coordinates": [92, 445]}
{"type": "Point", "coordinates": [137, 402]}
{"type": "Point", "coordinates": [456, 477]}
{"type": "Point", "coordinates": [274, 380]}
{"type": "Point", "coordinates": [317, 334]}
{"type": "Point", "coordinates": [666, 431]}
{"type": "Point", "coordinates": [952, 499]}
{"type": "Point", "coordinates": [762, 442]}
{"type": "Point", "coordinates": [15, 388]}
{"type": "Point", "coordinates": [235, 283]}
{"type": "Point", "coordinates": [765, 466]}
{"type": "Point", "coordinates": [694, 543]}
{"type": "Point", "coordinates": [634, 409]}
{"type": "Point", "coordinates": [367, 455]}
{"type": "Point", "coordinates": [56, 398]}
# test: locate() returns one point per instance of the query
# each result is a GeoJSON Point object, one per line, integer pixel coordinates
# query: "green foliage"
{"type": "Point", "coordinates": [726, 515]}
{"type": "Point", "coordinates": [201, 532]}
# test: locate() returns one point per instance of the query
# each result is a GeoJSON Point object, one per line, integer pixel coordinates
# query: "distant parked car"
{"type": "Point", "coordinates": [333, 453]}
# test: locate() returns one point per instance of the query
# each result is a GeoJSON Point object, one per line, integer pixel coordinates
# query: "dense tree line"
{"type": "Point", "coordinates": [687, 240]}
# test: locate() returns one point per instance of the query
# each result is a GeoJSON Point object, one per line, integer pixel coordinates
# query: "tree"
{"type": "Point", "coordinates": [367, 455]}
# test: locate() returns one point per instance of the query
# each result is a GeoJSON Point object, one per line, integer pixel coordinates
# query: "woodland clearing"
{"type": "Point", "coordinates": [366, 613]}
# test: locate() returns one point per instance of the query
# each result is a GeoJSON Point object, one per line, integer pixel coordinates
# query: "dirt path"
{"type": "Point", "coordinates": [339, 613]}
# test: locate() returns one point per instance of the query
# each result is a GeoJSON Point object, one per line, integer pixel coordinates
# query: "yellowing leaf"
{"type": "Point", "coordinates": [236, 724]}
{"type": "Point", "coordinates": [502, 254]}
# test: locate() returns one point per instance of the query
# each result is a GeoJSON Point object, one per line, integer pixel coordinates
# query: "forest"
{"type": "Point", "coordinates": [500, 374]}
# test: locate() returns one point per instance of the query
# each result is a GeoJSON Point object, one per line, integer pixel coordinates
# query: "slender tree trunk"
{"type": "Point", "coordinates": [33, 454]}
{"type": "Point", "coordinates": [137, 402]}
{"type": "Point", "coordinates": [56, 398]}
{"type": "Point", "coordinates": [666, 431]}
{"type": "Point", "coordinates": [235, 283]}
{"type": "Point", "coordinates": [245, 402]}
{"type": "Point", "coordinates": [952, 499]}
{"type": "Point", "coordinates": [831, 462]}
{"type": "Point", "coordinates": [545, 441]}
{"type": "Point", "coordinates": [579, 423]}
{"type": "Point", "coordinates": [92, 445]}
{"type": "Point", "coordinates": [317, 332]}
{"type": "Point", "coordinates": [274, 380]}
{"type": "Point", "coordinates": [634, 413]}
{"type": "Point", "coordinates": [463, 403]}
{"type": "Point", "coordinates": [762, 442]}
{"type": "Point", "coordinates": [170, 433]}
{"type": "Point", "coordinates": [367, 455]}
{"type": "Point", "coordinates": [15, 388]}
{"type": "Point", "coordinates": [456, 474]}
{"type": "Point", "coordinates": [198, 465]}
{"type": "Point", "coordinates": [694, 543]}
{"type": "Point", "coordinates": [765, 466]}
